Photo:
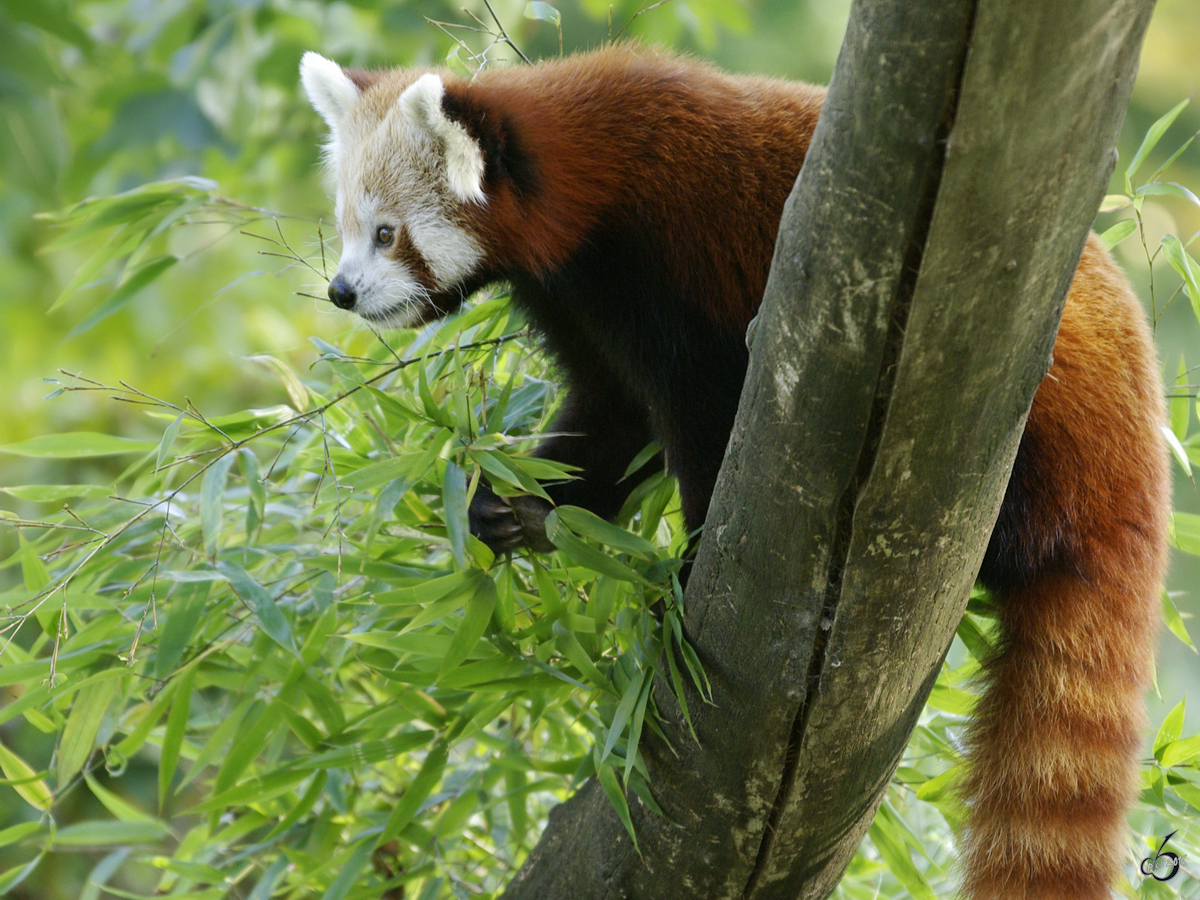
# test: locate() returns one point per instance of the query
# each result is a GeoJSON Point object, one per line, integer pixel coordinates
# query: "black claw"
{"type": "Point", "coordinates": [505, 524]}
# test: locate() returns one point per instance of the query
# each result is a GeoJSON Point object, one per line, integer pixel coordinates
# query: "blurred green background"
{"type": "Point", "coordinates": [99, 97]}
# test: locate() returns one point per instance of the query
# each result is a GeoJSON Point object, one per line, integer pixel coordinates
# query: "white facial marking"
{"type": "Point", "coordinates": [450, 251]}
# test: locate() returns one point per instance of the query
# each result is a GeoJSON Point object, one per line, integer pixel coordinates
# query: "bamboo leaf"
{"type": "Point", "coordinates": [635, 734]}
{"type": "Point", "coordinates": [118, 245]}
{"type": "Point", "coordinates": [508, 471]}
{"type": "Point", "coordinates": [248, 743]}
{"type": "Point", "coordinates": [1117, 233]}
{"type": "Point", "coordinates": [435, 413]}
{"type": "Point", "coordinates": [1175, 621]}
{"type": "Point", "coordinates": [1185, 532]}
{"type": "Point", "coordinates": [128, 289]}
{"type": "Point", "coordinates": [537, 9]}
{"type": "Point", "coordinates": [168, 441]}
{"type": "Point", "coordinates": [368, 753]}
{"type": "Point", "coordinates": [940, 785]}
{"type": "Point", "coordinates": [1169, 188]}
{"type": "Point", "coordinates": [1177, 449]}
{"type": "Point", "coordinates": [302, 808]}
{"type": "Point", "coordinates": [454, 496]}
{"type": "Point", "coordinates": [978, 644]}
{"type": "Point", "coordinates": [1180, 404]}
{"type": "Point", "coordinates": [24, 780]}
{"type": "Point", "coordinates": [76, 445]}
{"type": "Point", "coordinates": [591, 526]}
{"type": "Point", "coordinates": [585, 555]}
{"type": "Point", "coordinates": [1181, 752]}
{"type": "Point", "coordinates": [678, 688]}
{"type": "Point", "coordinates": [177, 721]}
{"type": "Point", "coordinates": [446, 604]}
{"type": "Point", "coordinates": [607, 776]}
{"type": "Point", "coordinates": [623, 713]}
{"type": "Point", "coordinates": [107, 833]}
{"type": "Point", "coordinates": [257, 507]}
{"type": "Point", "coordinates": [291, 382]}
{"type": "Point", "coordinates": [1169, 731]}
{"type": "Point", "coordinates": [56, 493]}
{"type": "Point", "coordinates": [79, 735]}
{"type": "Point", "coordinates": [428, 590]}
{"type": "Point", "coordinates": [418, 791]}
{"type": "Point", "coordinates": [896, 856]}
{"type": "Point", "coordinates": [18, 832]}
{"type": "Point", "coordinates": [14, 876]}
{"type": "Point", "coordinates": [220, 742]}
{"type": "Point", "coordinates": [1113, 202]}
{"type": "Point", "coordinates": [187, 607]}
{"type": "Point", "coordinates": [1150, 141]}
{"type": "Point", "coordinates": [253, 790]}
{"type": "Point", "coordinates": [348, 872]}
{"type": "Point", "coordinates": [269, 616]}
{"type": "Point", "coordinates": [1185, 267]}
{"type": "Point", "coordinates": [134, 740]}
{"type": "Point", "coordinates": [118, 806]}
{"type": "Point", "coordinates": [476, 616]}
{"type": "Point", "coordinates": [646, 454]}
{"type": "Point", "coordinates": [570, 647]}
{"type": "Point", "coordinates": [34, 574]}
{"type": "Point", "coordinates": [212, 501]}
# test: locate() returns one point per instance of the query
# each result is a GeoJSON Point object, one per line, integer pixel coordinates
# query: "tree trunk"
{"type": "Point", "coordinates": [919, 275]}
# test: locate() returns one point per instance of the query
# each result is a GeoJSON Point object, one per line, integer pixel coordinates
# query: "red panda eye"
{"type": "Point", "coordinates": [384, 235]}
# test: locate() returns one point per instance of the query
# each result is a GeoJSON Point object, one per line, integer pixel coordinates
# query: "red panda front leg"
{"type": "Point", "coordinates": [599, 431]}
{"type": "Point", "coordinates": [1076, 563]}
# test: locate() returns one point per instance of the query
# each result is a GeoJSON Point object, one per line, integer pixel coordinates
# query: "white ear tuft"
{"type": "Point", "coordinates": [329, 89]}
{"type": "Point", "coordinates": [421, 102]}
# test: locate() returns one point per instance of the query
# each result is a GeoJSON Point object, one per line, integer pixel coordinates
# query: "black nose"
{"type": "Point", "coordinates": [341, 294]}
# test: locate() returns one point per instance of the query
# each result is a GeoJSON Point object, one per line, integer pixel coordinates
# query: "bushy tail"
{"type": "Point", "coordinates": [1077, 563]}
{"type": "Point", "coordinates": [1057, 741]}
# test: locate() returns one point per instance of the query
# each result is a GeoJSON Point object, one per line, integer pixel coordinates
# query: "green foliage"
{"type": "Point", "coordinates": [286, 608]}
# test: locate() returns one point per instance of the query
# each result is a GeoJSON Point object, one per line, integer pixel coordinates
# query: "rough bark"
{"type": "Point", "coordinates": [918, 280]}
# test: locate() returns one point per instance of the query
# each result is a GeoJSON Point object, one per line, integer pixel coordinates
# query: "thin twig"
{"type": "Point", "coordinates": [641, 9]}
{"type": "Point", "coordinates": [504, 34]}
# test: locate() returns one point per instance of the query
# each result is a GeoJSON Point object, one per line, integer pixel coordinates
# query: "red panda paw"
{"type": "Point", "coordinates": [506, 523]}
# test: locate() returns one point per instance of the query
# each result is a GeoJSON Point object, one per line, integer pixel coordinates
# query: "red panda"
{"type": "Point", "coordinates": [631, 199]}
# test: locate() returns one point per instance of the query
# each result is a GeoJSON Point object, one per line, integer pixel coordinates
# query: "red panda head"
{"type": "Point", "coordinates": [409, 183]}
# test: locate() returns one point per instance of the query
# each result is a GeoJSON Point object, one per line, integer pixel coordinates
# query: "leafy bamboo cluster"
{"type": "Point", "coordinates": [283, 608]}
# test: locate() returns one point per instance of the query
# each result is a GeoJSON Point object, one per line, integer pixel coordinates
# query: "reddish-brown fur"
{"type": "Point", "coordinates": [681, 173]}
{"type": "Point", "coordinates": [644, 157]}
{"type": "Point", "coordinates": [1057, 735]}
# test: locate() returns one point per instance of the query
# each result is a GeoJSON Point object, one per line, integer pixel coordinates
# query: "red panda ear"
{"type": "Point", "coordinates": [461, 155]}
{"type": "Point", "coordinates": [330, 90]}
